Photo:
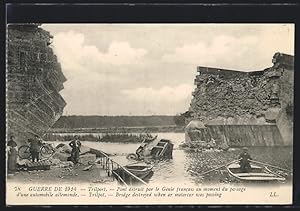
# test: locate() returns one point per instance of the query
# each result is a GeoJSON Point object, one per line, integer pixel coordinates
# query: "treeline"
{"type": "Point", "coordinates": [122, 137]}
{"type": "Point", "coordinates": [113, 121]}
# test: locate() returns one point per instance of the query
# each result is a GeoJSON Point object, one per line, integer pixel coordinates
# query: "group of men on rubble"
{"type": "Point", "coordinates": [35, 145]}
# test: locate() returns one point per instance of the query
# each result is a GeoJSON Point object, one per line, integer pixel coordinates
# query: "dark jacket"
{"type": "Point", "coordinates": [35, 144]}
{"type": "Point", "coordinates": [75, 144]}
{"type": "Point", "coordinates": [245, 157]}
{"type": "Point", "coordinates": [11, 143]}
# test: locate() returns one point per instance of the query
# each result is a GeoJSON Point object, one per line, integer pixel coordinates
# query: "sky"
{"type": "Point", "coordinates": [149, 69]}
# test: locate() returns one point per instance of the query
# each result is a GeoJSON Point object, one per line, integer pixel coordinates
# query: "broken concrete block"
{"type": "Point", "coordinates": [271, 114]}
{"type": "Point", "coordinates": [66, 148]}
{"type": "Point", "coordinates": [54, 161]}
{"type": "Point", "coordinates": [66, 164]}
{"type": "Point", "coordinates": [86, 158]}
{"type": "Point", "coordinates": [59, 145]}
{"type": "Point", "coordinates": [63, 148]}
{"type": "Point", "coordinates": [61, 156]}
{"type": "Point", "coordinates": [23, 162]}
{"type": "Point", "coordinates": [84, 149]}
{"type": "Point", "coordinates": [98, 153]}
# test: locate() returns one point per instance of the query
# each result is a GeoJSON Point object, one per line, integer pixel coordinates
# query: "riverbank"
{"type": "Point", "coordinates": [104, 138]}
{"type": "Point", "coordinates": [150, 129]}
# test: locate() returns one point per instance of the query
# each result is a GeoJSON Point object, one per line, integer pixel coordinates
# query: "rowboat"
{"type": "Point", "coordinates": [139, 169]}
{"type": "Point", "coordinates": [256, 174]}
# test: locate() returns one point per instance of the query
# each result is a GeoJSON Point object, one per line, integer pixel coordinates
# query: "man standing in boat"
{"type": "Point", "coordinates": [245, 159]}
{"type": "Point", "coordinates": [75, 144]}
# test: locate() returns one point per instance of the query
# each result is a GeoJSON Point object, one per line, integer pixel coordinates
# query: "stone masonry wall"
{"type": "Point", "coordinates": [34, 79]}
{"type": "Point", "coordinates": [237, 104]}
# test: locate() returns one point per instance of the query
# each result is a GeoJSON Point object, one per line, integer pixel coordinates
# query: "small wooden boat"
{"type": "Point", "coordinates": [256, 174]}
{"type": "Point", "coordinates": [139, 169]}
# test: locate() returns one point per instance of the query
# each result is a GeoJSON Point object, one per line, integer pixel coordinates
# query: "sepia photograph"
{"type": "Point", "coordinates": [149, 113]}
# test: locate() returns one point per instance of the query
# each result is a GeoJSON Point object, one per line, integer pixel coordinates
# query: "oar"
{"type": "Point", "coordinates": [266, 164]}
{"type": "Point", "coordinates": [218, 167]}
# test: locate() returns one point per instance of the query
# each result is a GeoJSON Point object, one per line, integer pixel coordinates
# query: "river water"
{"type": "Point", "coordinates": [186, 166]}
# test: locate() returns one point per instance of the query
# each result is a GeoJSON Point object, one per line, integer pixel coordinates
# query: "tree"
{"type": "Point", "coordinates": [179, 120]}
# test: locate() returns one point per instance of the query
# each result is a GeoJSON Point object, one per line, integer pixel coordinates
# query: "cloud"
{"type": "Point", "coordinates": [93, 75]}
{"type": "Point", "coordinates": [251, 52]}
{"type": "Point", "coordinates": [163, 94]}
{"type": "Point", "coordinates": [222, 51]}
{"type": "Point", "coordinates": [147, 69]}
{"type": "Point", "coordinates": [78, 57]}
{"type": "Point", "coordinates": [166, 100]}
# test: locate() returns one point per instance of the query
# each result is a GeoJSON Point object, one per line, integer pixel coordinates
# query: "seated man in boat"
{"type": "Point", "coordinates": [245, 160]}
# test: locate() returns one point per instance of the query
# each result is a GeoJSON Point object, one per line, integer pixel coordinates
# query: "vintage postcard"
{"type": "Point", "coordinates": [133, 114]}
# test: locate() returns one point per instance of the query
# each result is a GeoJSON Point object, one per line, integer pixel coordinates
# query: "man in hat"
{"type": "Point", "coordinates": [12, 155]}
{"type": "Point", "coordinates": [245, 160]}
{"type": "Point", "coordinates": [35, 147]}
{"type": "Point", "coordinates": [75, 144]}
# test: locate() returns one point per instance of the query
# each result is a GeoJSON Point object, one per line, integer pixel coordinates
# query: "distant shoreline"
{"type": "Point", "coordinates": [152, 129]}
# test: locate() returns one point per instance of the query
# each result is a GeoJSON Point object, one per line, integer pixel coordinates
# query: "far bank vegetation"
{"type": "Point", "coordinates": [115, 137]}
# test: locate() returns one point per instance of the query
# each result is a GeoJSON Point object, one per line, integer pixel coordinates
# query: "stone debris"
{"type": "Point", "coordinates": [64, 148]}
{"type": "Point", "coordinates": [23, 162]}
{"type": "Point", "coordinates": [102, 180]}
{"type": "Point", "coordinates": [54, 161]}
{"type": "Point", "coordinates": [98, 153]}
{"type": "Point", "coordinates": [84, 149]}
{"type": "Point", "coordinates": [60, 160]}
{"type": "Point", "coordinates": [202, 146]}
{"type": "Point", "coordinates": [61, 156]}
{"type": "Point", "coordinates": [65, 164]}
{"type": "Point", "coordinates": [66, 171]}
{"type": "Point", "coordinates": [86, 158]}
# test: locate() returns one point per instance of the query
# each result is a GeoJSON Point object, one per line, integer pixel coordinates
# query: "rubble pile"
{"type": "Point", "coordinates": [63, 153]}
{"type": "Point", "coordinates": [204, 146]}
{"type": "Point", "coordinates": [230, 102]}
{"type": "Point", "coordinates": [60, 159]}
